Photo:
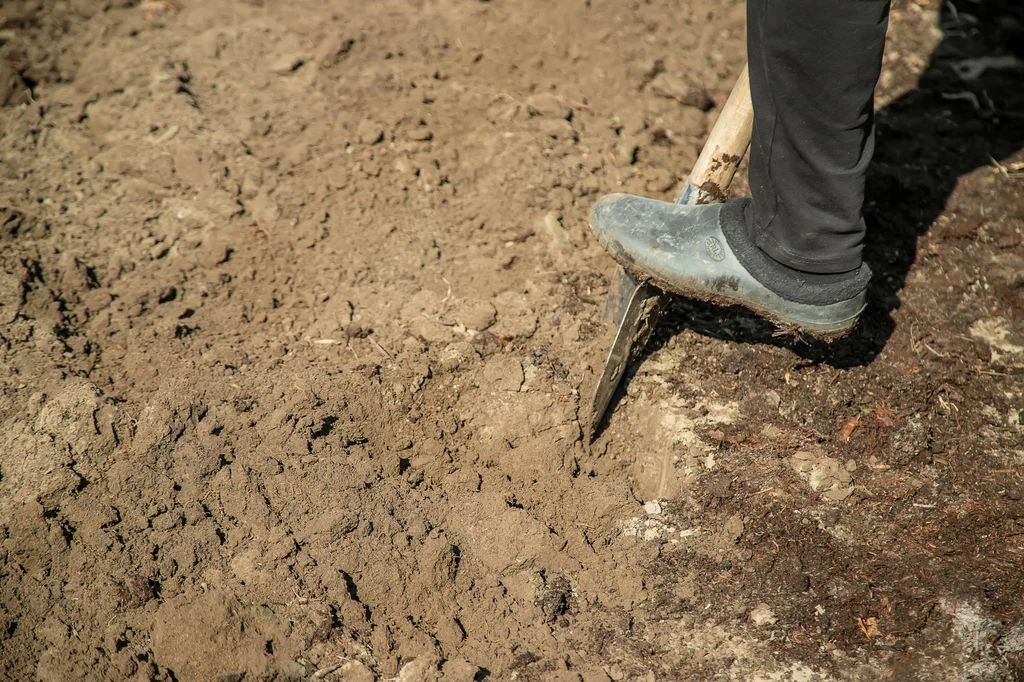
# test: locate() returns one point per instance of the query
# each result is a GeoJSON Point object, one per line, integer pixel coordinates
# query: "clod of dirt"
{"type": "Point", "coordinates": [661, 180]}
{"type": "Point", "coordinates": [486, 343]}
{"type": "Point", "coordinates": [213, 252]}
{"type": "Point", "coordinates": [789, 572]}
{"type": "Point", "coordinates": [369, 132]}
{"type": "Point", "coordinates": [547, 104]}
{"type": "Point", "coordinates": [504, 374]}
{"type": "Point", "coordinates": [355, 330]}
{"type": "Point", "coordinates": [516, 317]}
{"type": "Point", "coordinates": [511, 539]}
{"type": "Point", "coordinates": [691, 123]}
{"type": "Point", "coordinates": [421, 133]}
{"type": "Point", "coordinates": [681, 89]}
{"type": "Point", "coordinates": [458, 354]}
{"type": "Point", "coordinates": [555, 599]}
{"type": "Point", "coordinates": [421, 669]}
{"type": "Point", "coordinates": [476, 315]}
{"type": "Point", "coordinates": [213, 634]}
{"type": "Point", "coordinates": [459, 671]}
{"type": "Point", "coordinates": [825, 475]}
{"type": "Point", "coordinates": [732, 531]}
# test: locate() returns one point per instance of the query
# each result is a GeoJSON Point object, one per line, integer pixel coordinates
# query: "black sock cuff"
{"type": "Point", "coordinates": [792, 285]}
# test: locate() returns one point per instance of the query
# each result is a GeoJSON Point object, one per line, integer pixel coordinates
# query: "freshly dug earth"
{"type": "Point", "coordinates": [299, 315]}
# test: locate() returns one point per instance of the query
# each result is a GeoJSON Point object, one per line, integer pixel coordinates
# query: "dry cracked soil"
{"type": "Point", "coordinates": [299, 315]}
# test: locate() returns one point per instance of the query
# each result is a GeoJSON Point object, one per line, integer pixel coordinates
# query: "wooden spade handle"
{"type": "Point", "coordinates": [726, 146]}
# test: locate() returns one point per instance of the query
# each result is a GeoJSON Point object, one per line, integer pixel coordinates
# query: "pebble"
{"type": "Point", "coordinates": [763, 615]}
{"type": "Point", "coordinates": [653, 508]}
{"type": "Point", "coordinates": [683, 91]}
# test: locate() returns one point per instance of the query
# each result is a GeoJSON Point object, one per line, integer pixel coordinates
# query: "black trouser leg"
{"type": "Point", "coordinates": [813, 69]}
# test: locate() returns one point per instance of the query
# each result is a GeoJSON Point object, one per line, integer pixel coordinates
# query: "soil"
{"type": "Point", "coordinates": [299, 313]}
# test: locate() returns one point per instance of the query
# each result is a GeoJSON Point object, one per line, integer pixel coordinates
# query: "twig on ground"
{"type": "Point", "coordinates": [382, 348]}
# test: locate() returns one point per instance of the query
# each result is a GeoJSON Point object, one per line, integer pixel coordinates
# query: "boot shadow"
{"type": "Point", "coordinates": [925, 141]}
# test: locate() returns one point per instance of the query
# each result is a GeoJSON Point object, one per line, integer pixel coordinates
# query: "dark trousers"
{"type": "Point", "coordinates": [813, 69]}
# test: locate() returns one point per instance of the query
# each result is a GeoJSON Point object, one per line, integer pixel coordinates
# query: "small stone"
{"type": "Point", "coordinates": [682, 90]}
{"type": "Point", "coordinates": [653, 508]}
{"type": "Point", "coordinates": [763, 615]}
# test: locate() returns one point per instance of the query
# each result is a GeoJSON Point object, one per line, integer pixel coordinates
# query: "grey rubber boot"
{"type": "Point", "coordinates": [703, 252]}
